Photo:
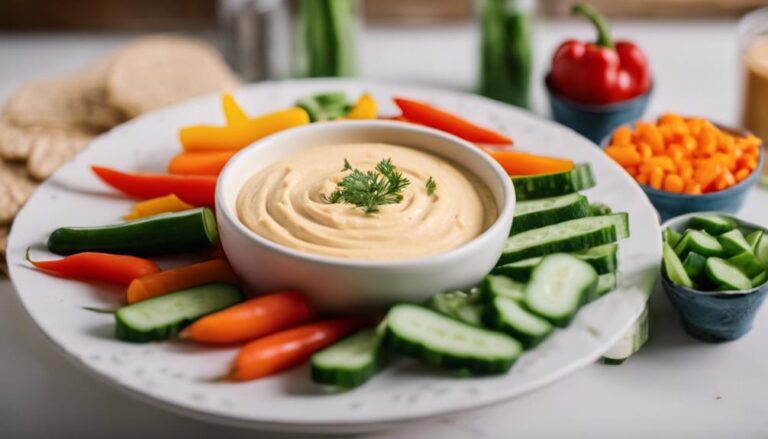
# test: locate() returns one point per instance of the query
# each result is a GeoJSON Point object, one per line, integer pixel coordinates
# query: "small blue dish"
{"type": "Point", "coordinates": [730, 200]}
{"type": "Point", "coordinates": [714, 316]}
{"type": "Point", "coordinates": [595, 122]}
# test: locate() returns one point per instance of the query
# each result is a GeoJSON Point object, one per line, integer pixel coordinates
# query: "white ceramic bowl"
{"type": "Point", "coordinates": [346, 285]}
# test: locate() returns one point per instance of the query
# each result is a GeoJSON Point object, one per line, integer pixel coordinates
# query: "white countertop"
{"type": "Point", "coordinates": [675, 387]}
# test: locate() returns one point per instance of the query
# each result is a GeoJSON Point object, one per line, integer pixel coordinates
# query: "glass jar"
{"type": "Point", "coordinates": [753, 45]}
{"type": "Point", "coordinates": [326, 37]}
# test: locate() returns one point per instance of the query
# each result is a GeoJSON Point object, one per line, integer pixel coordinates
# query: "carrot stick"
{"type": "Point", "coordinates": [176, 279]}
{"type": "Point", "coordinates": [252, 319]}
{"type": "Point", "coordinates": [283, 350]}
{"type": "Point", "coordinates": [428, 115]}
{"type": "Point", "coordinates": [104, 267]}
{"type": "Point", "coordinates": [203, 163]}
{"type": "Point", "coordinates": [520, 163]}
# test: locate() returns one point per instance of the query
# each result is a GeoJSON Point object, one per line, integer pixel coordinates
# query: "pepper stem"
{"type": "Point", "coordinates": [604, 38]}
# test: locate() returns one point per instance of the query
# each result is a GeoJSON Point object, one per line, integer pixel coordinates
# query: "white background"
{"type": "Point", "coordinates": [675, 387]}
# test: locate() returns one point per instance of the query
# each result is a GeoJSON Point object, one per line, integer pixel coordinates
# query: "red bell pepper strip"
{"type": "Point", "coordinates": [118, 269]}
{"type": "Point", "coordinates": [197, 190]}
{"type": "Point", "coordinates": [425, 114]}
{"type": "Point", "coordinates": [600, 72]}
{"type": "Point", "coordinates": [283, 350]}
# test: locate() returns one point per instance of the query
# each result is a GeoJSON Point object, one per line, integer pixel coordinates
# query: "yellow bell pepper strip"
{"type": "Point", "coordinates": [155, 206]}
{"type": "Point", "coordinates": [365, 108]}
{"type": "Point", "coordinates": [233, 113]}
{"type": "Point", "coordinates": [209, 138]}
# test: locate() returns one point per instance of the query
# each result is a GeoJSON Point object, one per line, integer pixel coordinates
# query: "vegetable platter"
{"type": "Point", "coordinates": [187, 377]}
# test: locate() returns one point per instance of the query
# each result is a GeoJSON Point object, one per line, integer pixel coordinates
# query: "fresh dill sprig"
{"type": "Point", "coordinates": [431, 186]}
{"type": "Point", "coordinates": [371, 189]}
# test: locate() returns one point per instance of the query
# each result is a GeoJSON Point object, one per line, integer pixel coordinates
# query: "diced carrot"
{"type": "Point", "coordinates": [651, 134]}
{"type": "Point", "coordinates": [622, 136]}
{"type": "Point", "coordinates": [642, 179]}
{"type": "Point", "coordinates": [707, 174]}
{"type": "Point", "coordinates": [742, 174]}
{"type": "Point", "coordinates": [676, 152]}
{"type": "Point", "coordinates": [657, 178]}
{"type": "Point", "coordinates": [689, 142]}
{"type": "Point", "coordinates": [692, 188]}
{"type": "Point", "coordinates": [632, 170]}
{"type": "Point", "coordinates": [673, 183]}
{"type": "Point", "coordinates": [685, 171]}
{"type": "Point", "coordinates": [645, 150]}
{"type": "Point", "coordinates": [624, 155]}
{"type": "Point", "coordinates": [724, 181]}
{"type": "Point", "coordinates": [671, 118]}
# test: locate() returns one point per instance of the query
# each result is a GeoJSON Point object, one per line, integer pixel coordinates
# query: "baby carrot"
{"type": "Point", "coordinates": [176, 279]}
{"type": "Point", "coordinates": [624, 155]}
{"type": "Point", "coordinates": [283, 350]}
{"type": "Point", "coordinates": [104, 267]}
{"type": "Point", "coordinates": [521, 163]}
{"type": "Point", "coordinates": [673, 183]}
{"type": "Point", "coordinates": [202, 163]}
{"type": "Point", "coordinates": [252, 319]}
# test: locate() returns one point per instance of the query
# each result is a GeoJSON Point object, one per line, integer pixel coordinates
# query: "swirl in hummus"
{"type": "Point", "coordinates": [284, 203]}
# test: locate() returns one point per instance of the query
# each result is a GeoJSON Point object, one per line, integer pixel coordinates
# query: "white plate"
{"type": "Point", "coordinates": [179, 376]}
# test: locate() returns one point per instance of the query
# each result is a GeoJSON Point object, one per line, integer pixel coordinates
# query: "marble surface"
{"type": "Point", "coordinates": [675, 387]}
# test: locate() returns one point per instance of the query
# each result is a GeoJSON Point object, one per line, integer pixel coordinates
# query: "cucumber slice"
{"type": "Point", "coordinates": [674, 268]}
{"type": "Point", "coordinates": [559, 286]}
{"type": "Point", "coordinates": [331, 99]}
{"type": "Point", "coordinates": [726, 276]}
{"type": "Point", "coordinates": [458, 305]}
{"type": "Point", "coordinates": [670, 236]}
{"type": "Point", "coordinates": [543, 212]}
{"type": "Point", "coordinates": [694, 265]}
{"type": "Point", "coordinates": [699, 242]}
{"type": "Point", "coordinates": [712, 224]}
{"type": "Point", "coordinates": [162, 317]}
{"type": "Point", "coordinates": [509, 316]}
{"type": "Point", "coordinates": [605, 284]}
{"type": "Point", "coordinates": [312, 108]}
{"type": "Point", "coordinates": [747, 263]}
{"type": "Point", "coordinates": [573, 235]}
{"type": "Point", "coordinates": [602, 258]}
{"type": "Point", "coordinates": [501, 286]}
{"type": "Point", "coordinates": [733, 243]}
{"type": "Point", "coordinates": [630, 342]}
{"type": "Point", "coordinates": [760, 279]}
{"type": "Point", "coordinates": [761, 249]}
{"type": "Point", "coordinates": [443, 342]}
{"type": "Point", "coordinates": [533, 187]}
{"type": "Point", "coordinates": [350, 362]}
{"type": "Point", "coordinates": [753, 238]}
{"type": "Point", "coordinates": [598, 209]}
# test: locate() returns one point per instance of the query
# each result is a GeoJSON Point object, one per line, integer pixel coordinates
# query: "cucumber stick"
{"type": "Point", "coordinates": [761, 249]}
{"type": "Point", "coordinates": [760, 279]}
{"type": "Point", "coordinates": [573, 235]}
{"type": "Point", "coordinates": [350, 362]}
{"type": "Point", "coordinates": [552, 185]}
{"type": "Point", "coordinates": [188, 230]}
{"type": "Point", "coordinates": [501, 286]}
{"type": "Point", "coordinates": [604, 259]}
{"type": "Point", "coordinates": [509, 316]}
{"type": "Point", "coordinates": [543, 212]}
{"type": "Point", "coordinates": [699, 242]}
{"type": "Point", "coordinates": [694, 265]}
{"type": "Point", "coordinates": [605, 284]}
{"type": "Point", "coordinates": [630, 342]}
{"type": "Point", "coordinates": [599, 209]}
{"type": "Point", "coordinates": [747, 263]}
{"type": "Point", "coordinates": [712, 224]}
{"type": "Point", "coordinates": [464, 307]}
{"type": "Point", "coordinates": [559, 286]}
{"type": "Point", "coordinates": [443, 342]}
{"type": "Point", "coordinates": [726, 276]}
{"type": "Point", "coordinates": [670, 236]}
{"type": "Point", "coordinates": [733, 243]}
{"type": "Point", "coordinates": [162, 317]}
{"type": "Point", "coordinates": [674, 267]}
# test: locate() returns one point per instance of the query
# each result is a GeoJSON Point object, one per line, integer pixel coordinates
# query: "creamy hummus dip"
{"type": "Point", "coordinates": [285, 203]}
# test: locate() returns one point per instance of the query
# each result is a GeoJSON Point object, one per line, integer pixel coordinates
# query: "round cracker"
{"type": "Point", "coordinates": [52, 149]}
{"type": "Point", "coordinates": [15, 141]}
{"type": "Point", "coordinates": [153, 72]}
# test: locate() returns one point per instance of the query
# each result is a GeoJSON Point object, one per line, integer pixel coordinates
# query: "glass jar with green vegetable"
{"type": "Point", "coordinates": [326, 37]}
{"type": "Point", "coordinates": [506, 56]}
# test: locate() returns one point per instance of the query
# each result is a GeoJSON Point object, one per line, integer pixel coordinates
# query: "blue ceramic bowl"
{"type": "Point", "coordinates": [730, 200]}
{"type": "Point", "coordinates": [714, 316]}
{"type": "Point", "coordinates": [595, 122]}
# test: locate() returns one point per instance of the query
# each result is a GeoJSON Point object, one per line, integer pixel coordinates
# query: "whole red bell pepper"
{"type": "Point", "coordinates": [602, 72]}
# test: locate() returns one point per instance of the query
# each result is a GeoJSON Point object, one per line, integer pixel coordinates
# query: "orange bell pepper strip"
{"type": "Point", "coordinates": [155, 206]}
{"type": "Point", "coordinates": [197, 190]}
{"type": "Point", "coordinates": [286, 349]}
{"type": "Point", "coordinates": [521, 163]}
{"type": "Point", "coordinates": [168, 281]}
{"type": "Point", "coordinates": [209, 138]}
{"type": "Point", "coordinates": [105, 267]}
{"type": "Point", "coordinates": [425, 114]}
{"type": "Point", "coordinates": [365, 108]}
{"type": "Point", "coordinates": [251, 319]}
{"type": "Point", "coordinates": [199, 163]}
